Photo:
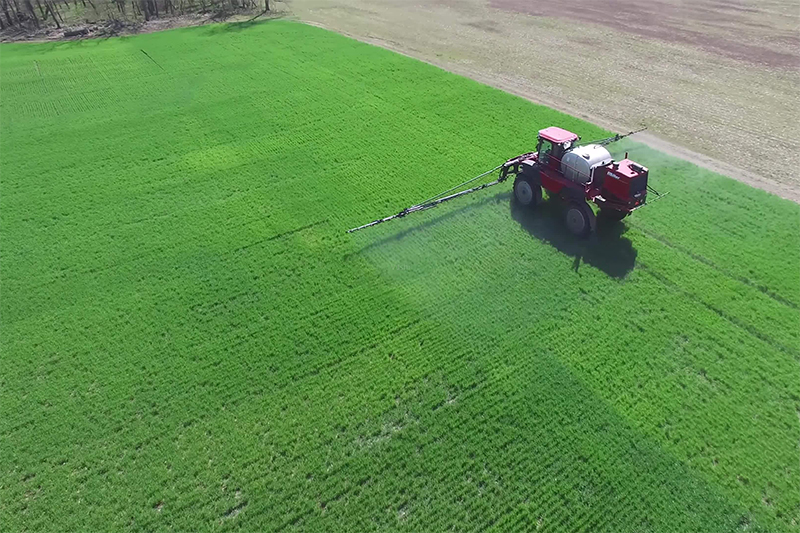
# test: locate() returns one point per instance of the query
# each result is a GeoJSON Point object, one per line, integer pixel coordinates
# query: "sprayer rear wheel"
{"type": "Point", "coordinates": [580, 218]}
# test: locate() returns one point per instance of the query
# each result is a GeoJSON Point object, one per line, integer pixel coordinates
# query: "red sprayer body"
{"type": "Point", "coordinates": [577, 173]}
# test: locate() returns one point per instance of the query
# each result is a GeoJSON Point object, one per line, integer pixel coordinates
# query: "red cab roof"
{"type": "Point", "coordinates": [557, 135]}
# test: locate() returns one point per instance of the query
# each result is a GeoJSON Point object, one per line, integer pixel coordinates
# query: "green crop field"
{"type": "Point", "coordinates": [191, 342]}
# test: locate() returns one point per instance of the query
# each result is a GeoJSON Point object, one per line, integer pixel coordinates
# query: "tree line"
{"type": "Point", "coordinates": [32, 14]}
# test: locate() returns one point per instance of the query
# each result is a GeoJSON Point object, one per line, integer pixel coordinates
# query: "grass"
{"type": "Point", "coordinates": [190, 340]}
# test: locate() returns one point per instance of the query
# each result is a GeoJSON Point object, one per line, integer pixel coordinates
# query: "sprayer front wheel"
{"type": "Point", "coordinates": [527, 191]}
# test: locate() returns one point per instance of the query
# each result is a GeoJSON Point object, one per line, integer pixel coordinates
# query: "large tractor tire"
{"type": "Point", "coordinates": [612, 214]}
{"type": "Point", "coordinates": [580, 218]}
{"type": "Point", "coordinates": [527, 190]}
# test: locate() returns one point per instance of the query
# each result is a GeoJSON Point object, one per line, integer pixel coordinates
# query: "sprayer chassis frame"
{"type": "Point", "coordinates": [555, 183]}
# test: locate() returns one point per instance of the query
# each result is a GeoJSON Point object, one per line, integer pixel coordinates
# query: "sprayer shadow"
{"type": "Point", "coordinates": [606, 250]}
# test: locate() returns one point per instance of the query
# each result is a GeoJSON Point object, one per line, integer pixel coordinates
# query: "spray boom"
{"type": "Point", "coordinates": [613, 139]}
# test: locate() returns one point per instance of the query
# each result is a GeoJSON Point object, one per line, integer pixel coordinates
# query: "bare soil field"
{"type": "Point", "coordinates": [760, 33]}
{"type": "Point", "coordinates": [102, 29]}
{"type": "Point", "coordinates": [715, 82]}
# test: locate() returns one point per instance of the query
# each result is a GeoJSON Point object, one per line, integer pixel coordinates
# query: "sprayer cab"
{"type": "Point", "coordinates": [554, 142]}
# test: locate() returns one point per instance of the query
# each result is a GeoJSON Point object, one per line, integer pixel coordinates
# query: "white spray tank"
{"type": "Point", "coordinates": [579, 163]}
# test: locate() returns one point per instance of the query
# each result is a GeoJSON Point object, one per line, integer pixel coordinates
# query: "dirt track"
{"type": "Point", "coordinates": [716, 82]}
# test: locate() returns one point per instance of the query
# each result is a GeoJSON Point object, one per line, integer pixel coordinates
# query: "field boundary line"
{"type": "Point", "coordinates": [649, 139]}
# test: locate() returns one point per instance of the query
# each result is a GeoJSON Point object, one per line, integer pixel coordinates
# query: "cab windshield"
{"type": "Point", "coordinates": [547, 148]}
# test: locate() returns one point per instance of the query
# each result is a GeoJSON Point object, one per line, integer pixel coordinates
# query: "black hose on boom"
{"type": "Point", "coordinates": [451, 189]}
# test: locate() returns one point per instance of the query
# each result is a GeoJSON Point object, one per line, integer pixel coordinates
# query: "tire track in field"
{"type": "Point", "coordinates": [335, 362]}
{"type": "Point", "coordinates": [752, 330]}
{"type": "Point", "coordinates": [699, 258]}
{"type": "Point", "coordinates": [362, 478]}
{"type": "Point", "coordinates": [296, 374]}
{"type": "Point", "coordinates": [151, 59]}
{"type": "Point", "coordinates": [281, 235]}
